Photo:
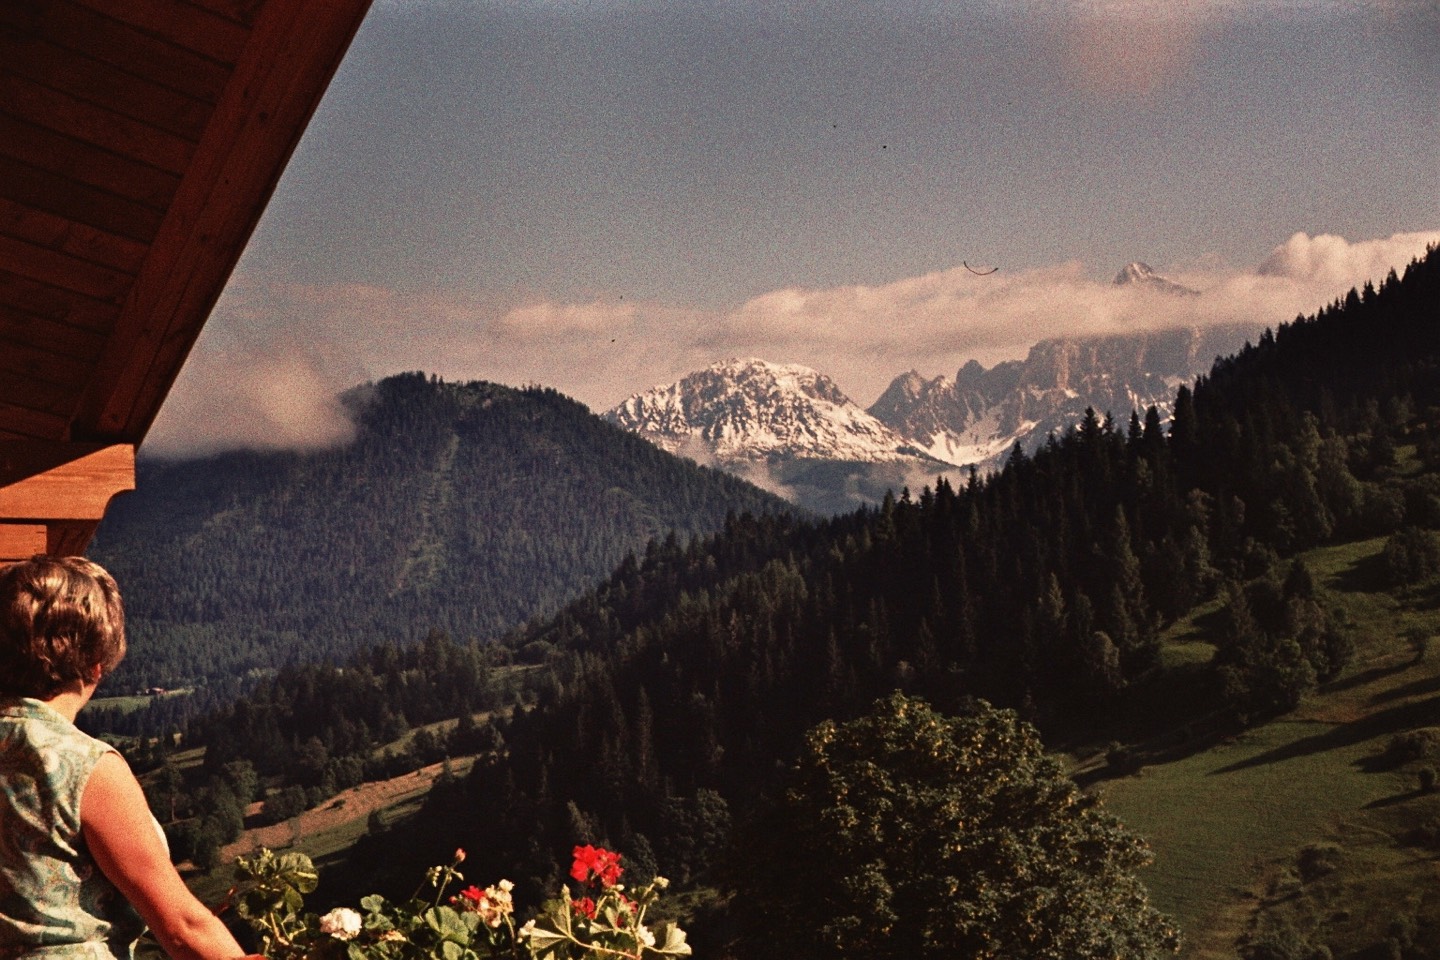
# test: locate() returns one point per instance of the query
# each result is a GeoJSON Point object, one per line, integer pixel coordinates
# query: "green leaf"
{"type": "Point", "coordinates": [297, 870]}
{"type": "Point", "coordinates": [670, 939]}
{"type": "Point", "coordinates": [446, 922]}
{"type": "Point", "coordinates": [544, 938]}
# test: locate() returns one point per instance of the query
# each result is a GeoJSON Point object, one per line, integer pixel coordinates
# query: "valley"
{"type": "Point", "coordinates": [1222, 622]}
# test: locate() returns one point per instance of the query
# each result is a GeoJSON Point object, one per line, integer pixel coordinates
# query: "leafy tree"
{"type": "Point", "coordinates": [284, 803]}
{"type": "Point", "coordinates": [910, 834]}
{"type": "Point", "coordinates": [1411, 556]}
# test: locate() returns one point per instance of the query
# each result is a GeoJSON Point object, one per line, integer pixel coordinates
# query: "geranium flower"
{"type": "Point", "coordinates": [493, 904]}
{"type": "Point", "coordinates": [584, 906]}
{"type": "Point", "coordinates": [596, 865]}
{"type": "Point", "coordinates": [342, 923]}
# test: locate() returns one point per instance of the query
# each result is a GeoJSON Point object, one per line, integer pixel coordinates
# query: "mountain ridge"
{"type": "Point", "coordinates": [980, 414]}
{"type": "Point", "coordinates": [789, 428]}
{"type": "Point", "coordinates": [461, 507]}
{"type": "Point", "coordinates": [751, 409]}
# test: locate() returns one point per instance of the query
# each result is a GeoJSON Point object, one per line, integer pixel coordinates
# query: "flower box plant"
{"type": "Point", "coordinates": [601, 921]}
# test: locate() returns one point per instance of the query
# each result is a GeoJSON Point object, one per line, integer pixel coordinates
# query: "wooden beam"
{"type": "Point", "coordinates": [293, 51]}
{"type": "Point", "coordinates": [44, 482]}
{"type": "Point", "coordinates": [21, 540]}
{"type": "Point", "coordinates": [53, 495]}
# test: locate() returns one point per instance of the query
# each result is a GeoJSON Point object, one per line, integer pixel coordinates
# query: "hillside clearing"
{"type": "Point", "coordinates": [1228, 824]}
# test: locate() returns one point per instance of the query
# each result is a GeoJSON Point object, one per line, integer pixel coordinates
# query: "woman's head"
{"type": "Point", "coordinates": [60, 619]}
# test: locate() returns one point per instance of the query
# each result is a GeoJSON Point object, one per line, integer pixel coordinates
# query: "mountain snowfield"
{"type": "Point", "coordinates": [748, 410]}
{"type": "Point", "coordinates": [778, 424]}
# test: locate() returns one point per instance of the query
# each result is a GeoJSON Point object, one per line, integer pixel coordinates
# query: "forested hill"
{"type": "Point", "coordinates": [466, 507]}
{"type": "Point", "coordinates": [684, 683]}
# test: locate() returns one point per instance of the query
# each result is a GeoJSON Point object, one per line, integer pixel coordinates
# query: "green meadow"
{"type": "Point", "coordinates": [1293, 832]}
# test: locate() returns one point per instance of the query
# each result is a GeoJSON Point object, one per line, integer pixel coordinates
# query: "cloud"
{"type": "Point", "coordinates": [273, 358]}
{"type": "Point", "coordinates": [1335, 262]}
{"type": "Point", "coordinates": [265, 400]}
{"type": "Point", "coordinates": [864, 335]}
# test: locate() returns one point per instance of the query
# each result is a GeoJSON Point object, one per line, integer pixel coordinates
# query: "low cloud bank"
{"type": "Point", "coordinates": [274, 357]}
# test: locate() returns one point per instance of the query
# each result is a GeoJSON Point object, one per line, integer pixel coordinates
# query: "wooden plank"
{"type": "Point", "coordinates": [83, 163]}
{"type": "Point", "coordinates": [192, 28]}
{"type": "Point", "coordinates": [104, 85]}
{"type": "Point", "coordinates": [278, 81]}
{"type": "Point", "coordinates": [44, 190]}
{"type": "Point", "coordinates": [77, 239]}
{"type": "Point", "coordinates": [63, 114]}
{"type": "Point", "coordinates": [21, 541]}
{"type": "Point", "coordinates": [25, 359]}
{"type": "Point", "coordinates": [23, 299]}
{"type": "Point", "coordinates": [117, 44]}
{"type": "Point", "coordinates": [82, 346]}
{"type": "Point", "coordinates": [241, 11]}
{"type": "Point", "coordinates": [40, 396]}
{"type": "Point", "coordinates": [62, 270]}
{"type": "Point", "coordinates": [62, 481]}
{"type": "Point", "coordinates": [23, 422]}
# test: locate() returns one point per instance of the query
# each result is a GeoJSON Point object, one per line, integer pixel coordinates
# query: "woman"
{"type": "Point", "coordinates": [83, 864]}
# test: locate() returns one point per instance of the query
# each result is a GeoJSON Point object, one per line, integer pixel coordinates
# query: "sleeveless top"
{"type": "Point", "coordinates": [55, 903]}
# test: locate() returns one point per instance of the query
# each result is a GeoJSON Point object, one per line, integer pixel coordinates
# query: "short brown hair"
{"type": "Point", "coordinates": [60, 618]}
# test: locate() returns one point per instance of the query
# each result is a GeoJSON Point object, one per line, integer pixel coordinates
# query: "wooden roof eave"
{"type": "Point", "coordinates": [293, 51]}
{"type": "Point", "coordinates": [59, 473]}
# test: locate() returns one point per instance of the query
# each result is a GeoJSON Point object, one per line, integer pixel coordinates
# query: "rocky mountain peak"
{"type": "Point", "coordinates": [1142, 276]}
{"type": "Point", "coordinates": [750, 409]}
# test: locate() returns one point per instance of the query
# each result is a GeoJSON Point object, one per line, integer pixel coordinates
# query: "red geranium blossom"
{"type": "Point", "coordinates": [584, 905]}
{"type": "Point", "coordinates": [596, 865]}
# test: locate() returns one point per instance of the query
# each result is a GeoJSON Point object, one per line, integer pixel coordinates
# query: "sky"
{"type": "Point", "coordinates": [601, 196]}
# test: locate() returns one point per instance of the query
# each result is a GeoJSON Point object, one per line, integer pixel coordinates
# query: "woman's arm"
{"type": "Point", "coordinates": [122, 838]}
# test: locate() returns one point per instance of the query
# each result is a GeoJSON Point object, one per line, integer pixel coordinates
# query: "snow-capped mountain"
{"type": "Point", "coordinates": [1139, 274]}
{"type": "Point", "coordinates": [783, 427]}
{"type": "Point", "coordinates": [980, 414]}
{"type": "Point", "coordinates": [750, 410]}
{"type": "Point", "coordinates": [790, 429]}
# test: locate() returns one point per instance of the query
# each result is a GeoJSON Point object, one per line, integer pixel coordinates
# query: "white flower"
{"type": "Point", "coordinates": [646, 937]}
{"type": "Point", "coordinates": [342, 923]}
{"type": "Point", "coordinates": [505, 885]}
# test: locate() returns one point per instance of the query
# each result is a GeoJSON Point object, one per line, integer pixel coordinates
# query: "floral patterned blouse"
{"type": "Point", "coordinates": [55, 904]}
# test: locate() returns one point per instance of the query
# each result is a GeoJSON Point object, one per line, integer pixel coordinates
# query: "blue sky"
{"type": "Point", "coordinates": [601, 196]}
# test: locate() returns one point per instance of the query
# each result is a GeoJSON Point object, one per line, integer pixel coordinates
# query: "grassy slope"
{"type": "Point", "coordinates": [1227, 824]}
